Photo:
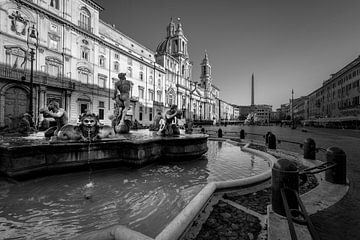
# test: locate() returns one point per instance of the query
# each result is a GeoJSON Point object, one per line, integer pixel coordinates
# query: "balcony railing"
{"type": "Point", "coordinates": [38, 77]}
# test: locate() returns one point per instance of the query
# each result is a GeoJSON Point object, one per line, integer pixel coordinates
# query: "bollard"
{"type": "Point", "coordinates": [220, 133]}
{"type": "Point", "coordinates": [309, 149]}
{"type": "Point", "coordinates": [337, 174]}
{"type": "Point", "coordinates": [242, 134]}
{"type": "Point", "coordinates": [271, 141]}
{"type": "Point", "coordinates": [285, 174]}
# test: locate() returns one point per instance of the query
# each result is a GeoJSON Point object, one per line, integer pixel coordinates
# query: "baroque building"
{"type": "Point", "coordinates": [78, 60]}
{"type": "Point", "coordinates": [76, 63]}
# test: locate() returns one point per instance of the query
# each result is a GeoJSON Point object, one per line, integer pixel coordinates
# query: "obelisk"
{"type": "Point", "coordinates": [252, 90]}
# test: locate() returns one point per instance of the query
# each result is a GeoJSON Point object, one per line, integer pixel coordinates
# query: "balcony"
{"type": "Point", "coordinates": [39, 78]}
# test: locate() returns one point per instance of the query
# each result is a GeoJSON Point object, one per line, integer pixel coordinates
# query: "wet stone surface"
{"type": "Point", "coordinates": [228, 222]}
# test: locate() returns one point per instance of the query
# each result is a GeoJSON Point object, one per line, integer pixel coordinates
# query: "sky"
{"type": "Point", "coordinates": [287, 44]}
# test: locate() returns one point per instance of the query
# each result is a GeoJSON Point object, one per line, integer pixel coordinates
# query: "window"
{"type": "Point", "coordinates": [101, 114]}
{"type": "Point", "coordinates": [116, 56]}
{"type": "Point", "coordinates": [150, 80]}
{"type": "Point", "coordinates": [158, 96]}
{"type": "Point", "coordinates": [151, 95]}
{"type": "Point", "coordinates": [84, 107]}
{"type": "Point", "coordinates": [141, 76]}
{"type": "Point", "coordinates": [102, 79]}
{"type": "Point", "coordinates": [101, 110]}
{"type": "Point", "coordinates": [171, 98]}
{"type": "Point", "coordinates": [183, 70]}
{"type": "Point", "coordinates": [129, 61]}
{"type": "Point", "coordinates": [102, 61]}
{"type": "Point", "coordinates": [141, 92]}
{"type": "Point", "coordinates": [140, 113]}
{"type": "Point", "coordinates": [54, 4]}
{"type": "Point", "coordinates": [129, 72]}
{"type": "Point", "coordinates": [84, 75]}
{"type": "Point", "coordinates": [54, 42]}
{"type": "Point", "coordinates": [85, 19]}
{"type": "Point", "coordinates": [53, 66]}
{"type": "Point", "coordinates": [116, 66]}
{"type": "Point", "coordinates": [53, 69]}
{"type": "Point", "coordinates": [141, 67]}
{"type": "Point", "coordinates": [159, 83]}
{"type": "Point", "coordinates": [85, 53]}
{"type": "Point", "coordinates": [150, 114]}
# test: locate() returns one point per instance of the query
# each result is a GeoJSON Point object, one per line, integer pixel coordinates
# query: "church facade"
{"type": "Point", "coordinates": [77, 61]}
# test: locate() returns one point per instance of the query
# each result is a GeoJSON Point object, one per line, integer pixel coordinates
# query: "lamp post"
{"type": "Point", "coordinates": [200, 110]}
{"type": "Point", "coordinates": [32, 43]}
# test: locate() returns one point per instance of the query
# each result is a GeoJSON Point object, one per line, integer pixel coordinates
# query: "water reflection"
{"type": "Point", "coordinates": [144, 199]}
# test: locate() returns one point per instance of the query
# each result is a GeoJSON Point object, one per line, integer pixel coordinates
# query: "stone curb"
{"type": "Point", "coordinates": [179, 224]}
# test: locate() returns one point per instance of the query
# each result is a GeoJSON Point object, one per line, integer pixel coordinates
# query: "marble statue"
{"type": "Point", "coordinates": [169, 124]}
{"type": "Point", "coordinates": [89, 129]}
{"type": "Point", "coordinates": [122, 104]}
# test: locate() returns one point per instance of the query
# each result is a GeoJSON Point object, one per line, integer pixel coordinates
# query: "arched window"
{"type": "Point", "coordinates": [171, 97]}
{"type": "Point", "coordinates": [102, 61]}
{"type": "Point", "coordinates": [85, 19]}
{"type": "Point", "coordinates": [116, 66]}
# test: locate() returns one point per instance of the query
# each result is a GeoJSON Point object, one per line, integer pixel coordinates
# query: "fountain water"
{"type": "Point", "coordinates": [89, 187]}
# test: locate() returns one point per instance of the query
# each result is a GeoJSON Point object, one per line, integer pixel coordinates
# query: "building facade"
{"type": "Point", "coordinates": [338, 96]}
{"type": "Point", "coordinates": [79, 57]}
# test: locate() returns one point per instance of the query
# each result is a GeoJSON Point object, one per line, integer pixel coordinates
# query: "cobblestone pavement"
{"type": "Point", "coordinates": [342, 220]}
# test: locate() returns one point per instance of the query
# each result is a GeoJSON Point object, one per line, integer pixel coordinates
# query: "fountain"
{"type": "Point", "coordinates": [69, 149]}
{"type": "Point", "coordinates": [69, 204]}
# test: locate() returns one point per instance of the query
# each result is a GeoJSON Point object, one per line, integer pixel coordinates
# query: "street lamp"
{"type": "Point", "coordinates": [32, 43]}
{"type": "Point", "coordinates": [200, 110]}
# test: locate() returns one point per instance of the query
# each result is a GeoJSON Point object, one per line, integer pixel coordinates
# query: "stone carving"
{"type": "Point", "coordinates": [22, 125]}
{"type": "Point", "coordinates": [88, 130]}
{"type": "Point", "coordinates": [155, 126]}
{"type": "Point", "coordinates": [18, 23]}
{"type": "Point", "coordinates": [122, 104]}
{"type": "Point", "coordinates": [169, 125]}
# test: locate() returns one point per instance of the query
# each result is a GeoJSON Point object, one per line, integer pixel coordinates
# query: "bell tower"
{"type": "Point", "coordinates": [205, 77]}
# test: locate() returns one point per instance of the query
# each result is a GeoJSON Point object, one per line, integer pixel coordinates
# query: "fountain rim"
{"type": "Point", "coordinates": [179, 224]}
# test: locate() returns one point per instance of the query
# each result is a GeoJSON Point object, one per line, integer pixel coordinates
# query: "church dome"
{"type": "Point", "coordinates": [164, 46]}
